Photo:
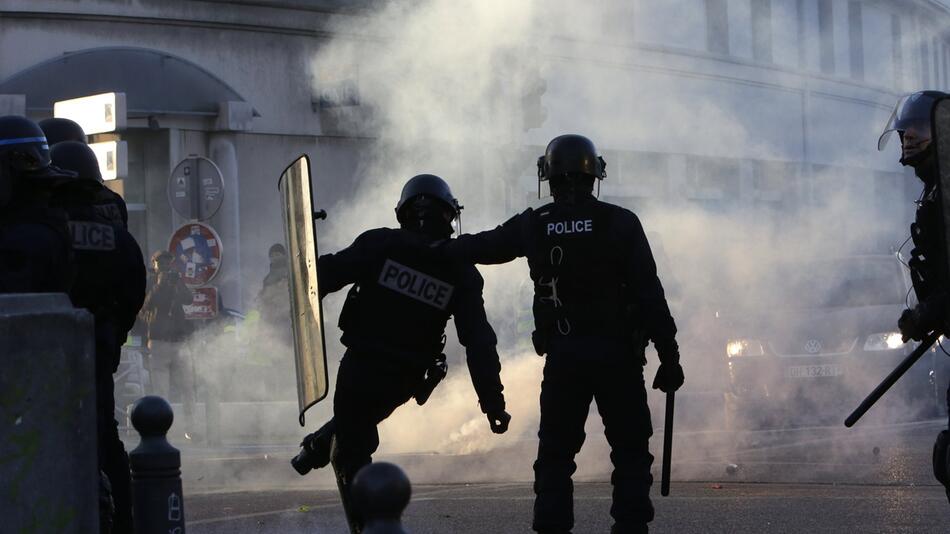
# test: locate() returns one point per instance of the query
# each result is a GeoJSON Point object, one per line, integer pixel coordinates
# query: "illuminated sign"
{"type": "Point", "coordinates": [113, 159]}
{"type": "Point", "coordinates": [96, 114]}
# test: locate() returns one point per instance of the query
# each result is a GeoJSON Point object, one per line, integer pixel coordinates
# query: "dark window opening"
{"type": "Point", "coordinates": [762, 30]}
{"type": "Point", "coordinates": [826, 29]}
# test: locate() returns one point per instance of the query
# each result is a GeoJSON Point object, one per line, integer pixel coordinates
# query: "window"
{"type": "Point", "coordinates": [717, 26]}
{"type": "Point", "coordinates": [826, 29]}
{"type": "Point", "coordinates": [924, 63]}
{"type": "Point", "coordinates": [786, 39]}
{"type": "Point", "coordinates": [856, 39]}
{"type": "Point", "coordinates": [898, 51]}
{"type": "Point", "coordinates": [712, 179]}
{"type": "Point", "coordinates": [772, 181]}
{"type": "Point", "coordinates": [762, 30]}
{"type": "Point", "coordinates": [644, 173]}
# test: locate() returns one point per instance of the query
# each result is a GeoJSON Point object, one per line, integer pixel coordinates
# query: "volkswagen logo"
{"type": "Point", "coordinates": [813, 346]}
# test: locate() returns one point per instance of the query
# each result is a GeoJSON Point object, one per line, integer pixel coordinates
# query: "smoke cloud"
{"type": "Point", "coordinates": [712, 167]}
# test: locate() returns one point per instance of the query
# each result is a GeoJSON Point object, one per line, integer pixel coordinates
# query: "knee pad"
{"type": "Point", "coordinates": [941, 458]}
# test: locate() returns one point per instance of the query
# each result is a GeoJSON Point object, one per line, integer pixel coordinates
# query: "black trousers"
{"type": "Point", "coordinates": [369, 388]}
{"type": "Point", "coordinates": [609, 371]}
{"type": "Point", "coordinates": [113, 460]}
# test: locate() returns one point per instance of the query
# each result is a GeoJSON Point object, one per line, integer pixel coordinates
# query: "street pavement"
{"type": "Point", "coordinates": [874, 478]}
{"type": "Point", "coordinates": [693, 507]}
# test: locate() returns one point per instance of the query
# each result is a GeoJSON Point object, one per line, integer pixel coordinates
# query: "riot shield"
{"type": "Point", "coordinates": [305, 307]}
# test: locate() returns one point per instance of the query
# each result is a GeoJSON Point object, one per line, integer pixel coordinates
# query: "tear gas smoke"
{"type": "Point", "coordinates": [714, 170]}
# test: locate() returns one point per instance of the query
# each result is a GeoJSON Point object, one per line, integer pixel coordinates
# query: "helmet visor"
{"type": "Point", "coordinates": [911, 111]}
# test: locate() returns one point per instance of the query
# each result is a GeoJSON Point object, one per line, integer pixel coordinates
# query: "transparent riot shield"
{"type": "Point", "coordinates": [305, 307]}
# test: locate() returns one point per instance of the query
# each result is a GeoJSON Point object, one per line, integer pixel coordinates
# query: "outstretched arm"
{"type": "Point", "coordinates": [501, 245]}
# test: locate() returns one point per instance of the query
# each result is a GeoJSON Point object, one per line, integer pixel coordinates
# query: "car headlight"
{"type": "Point", "coordinates": [883, 341]}
{"type": "Point", "coordinates": [744, 347]}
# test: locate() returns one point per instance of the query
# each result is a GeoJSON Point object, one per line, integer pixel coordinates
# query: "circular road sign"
{"type": "Point", "coordinates": [197, 250]}
{"type": "Point", "coordinates": [196, 188]}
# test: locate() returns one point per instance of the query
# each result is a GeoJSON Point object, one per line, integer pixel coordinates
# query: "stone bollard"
{"type": "Point", "coordinates": [157, 502]}
{"type": "Point", "coordinates": [48, 468]}
{"type": "Point", "coordinates": [381, 492]}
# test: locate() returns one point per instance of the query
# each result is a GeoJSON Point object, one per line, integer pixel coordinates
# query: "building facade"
{"type": "Point", "coordinates": [757, 107]}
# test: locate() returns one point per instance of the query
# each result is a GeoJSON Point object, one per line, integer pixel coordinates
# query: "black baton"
{"type": "Point", "coordinates": [667, 445]}
{"type": "Point", "coordinates": [895, 375]}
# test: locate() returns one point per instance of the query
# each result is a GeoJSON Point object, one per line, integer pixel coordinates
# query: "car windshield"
{"type": "Point", "coordinates": [840, 283]}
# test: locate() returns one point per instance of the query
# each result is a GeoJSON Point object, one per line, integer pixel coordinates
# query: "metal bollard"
{"type": "Point", "coordinates": [381, 492]}
{"type": "Point", "coordinates": [157, 501]}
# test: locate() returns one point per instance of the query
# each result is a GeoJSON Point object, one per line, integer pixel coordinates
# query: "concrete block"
{"type": "Point", "coordinates": [47, 416]}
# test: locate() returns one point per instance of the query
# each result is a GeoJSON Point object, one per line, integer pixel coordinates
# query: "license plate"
{"type": "Point", "coordinates": [813, 371]}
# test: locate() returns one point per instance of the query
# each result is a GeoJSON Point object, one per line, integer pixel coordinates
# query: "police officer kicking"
{"type": "Point", "coordinates": [928, 263]}
{"type": "Point", "coordinates": [597, 300]}
{"type": "Point", "coordinates": [110, 283]}
{"type": "Point", "coordinates": [393, 324]}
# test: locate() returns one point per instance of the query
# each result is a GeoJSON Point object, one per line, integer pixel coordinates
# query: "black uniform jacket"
{"type": "Point", "coordinates": [403, 296]}
{"type": "Point", "coordinates": [591, 264]}
{"type": "Point", "coordinates": [35, 252]}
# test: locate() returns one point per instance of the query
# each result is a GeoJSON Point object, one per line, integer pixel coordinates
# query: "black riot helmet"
{"type": "Point", "coordinates": [23, 146]}
{"type": "Point", "coordinates": [571, 164]}
{"type": "Point", "coordinates": [59, 129]}
{"type": "Point", "coordinates": [24, 157]}
{"type": "Point", "coordinates": [911, 120]}
{"type": "Point", "coordinates": [425, 194]}
{"type": "Point", "coordinates": [77, 157]}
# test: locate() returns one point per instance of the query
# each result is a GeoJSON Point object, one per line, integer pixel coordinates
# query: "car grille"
{"type": "Point", "coordinates": [813, 346]}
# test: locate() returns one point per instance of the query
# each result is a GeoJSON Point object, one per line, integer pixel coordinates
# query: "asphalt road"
{"type": "Point", "coordinates": [693, 507]}
{"type": "Point", "coordinates": [826, 479]}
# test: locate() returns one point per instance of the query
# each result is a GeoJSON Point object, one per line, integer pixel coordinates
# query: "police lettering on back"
{"type": "Point", "coordinates": [571, 227]}
{"type": "Point", "coordinates": [92, 236]}
{"type": "Point", "coordinates": [415, 284]}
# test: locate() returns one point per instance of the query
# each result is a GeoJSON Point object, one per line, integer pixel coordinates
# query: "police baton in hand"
{"type": "Point", "coordinates": [667, 444]}
{"type": "Point", "coordinates": [895, 375]}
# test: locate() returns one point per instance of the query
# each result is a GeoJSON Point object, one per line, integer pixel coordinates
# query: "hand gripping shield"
{"type": "Point", "coordinates": [305, 307]}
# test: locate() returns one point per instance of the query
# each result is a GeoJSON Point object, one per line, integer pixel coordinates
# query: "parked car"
{"type": "Point", "coordinates": [808, 341]}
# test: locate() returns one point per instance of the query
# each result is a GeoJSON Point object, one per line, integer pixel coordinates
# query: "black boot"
{"type": "Point", "coordinates": [315, 449]}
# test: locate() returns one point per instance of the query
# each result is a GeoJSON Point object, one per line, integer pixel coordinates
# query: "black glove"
{"type": "Point", "coordinates": [498, 421]}
{"type": "Point", "coordinates": [669, 377]}
{"type": "Point", "coordinates": [916, 323]}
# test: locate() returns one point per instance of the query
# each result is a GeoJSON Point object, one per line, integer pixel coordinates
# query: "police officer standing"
{"type": "Point", "coordinates": [108, 203]}
{"type": "Point", "coordinates": [35, 253]}
{"type": "Point", "coordinates": [110, 283]}
{"type": "Point", "coordinates": [597, 300]}
{"type": "Point", "coordinates": [928, 263]}
{"type": "Point", "coordinates": [393, 323]}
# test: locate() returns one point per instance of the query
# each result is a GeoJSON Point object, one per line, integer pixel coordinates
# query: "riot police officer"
{"type": "Point", "coordinates": [108, 203]}
{"type": "Point", "coordinates": [393, 323]}
{"type": "Point", "coordinates": [59, 129]}
{"type": "Point", "coordinates": [911, 120]}
{"type": "Point", "coordinates": [110, 283]}
{"type": "Point", "coordinates": [597, 300]}
{"type": "Point", "coordinates": [35, 254]}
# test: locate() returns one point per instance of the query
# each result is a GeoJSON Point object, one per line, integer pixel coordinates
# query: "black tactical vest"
{"type": "Point", "coordinates": [927, 262]}
{"type": "Point", "coordinates": [403, 305]}
{"type": "Point", "coordinates": [575, 265]}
